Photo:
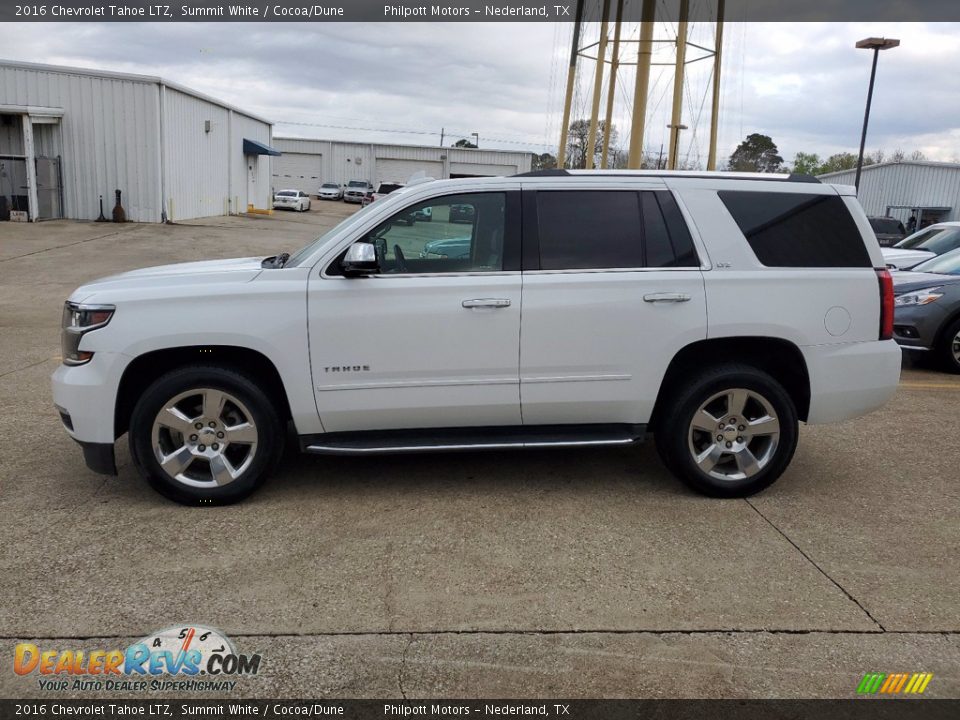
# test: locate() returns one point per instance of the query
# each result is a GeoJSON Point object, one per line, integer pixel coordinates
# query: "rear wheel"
{"type": "Point", "coordinates": [731, 432]}
{"type": "Point", "coordinates": [205, 435]}
{"type": "Point", "coordinates": [949, 349]}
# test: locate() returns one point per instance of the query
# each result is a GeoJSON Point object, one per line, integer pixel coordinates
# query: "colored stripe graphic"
{"type": "Point", "coordinates": [894, 683]}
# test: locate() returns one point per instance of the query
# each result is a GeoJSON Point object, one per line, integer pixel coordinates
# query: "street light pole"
{"type": "Point", "coordinates": [875, 44]}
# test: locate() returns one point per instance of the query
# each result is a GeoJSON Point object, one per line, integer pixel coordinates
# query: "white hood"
{"type": "Point", "coordinates": [901, 258]}
{"type": "Point", "coordinates": [205, 271]}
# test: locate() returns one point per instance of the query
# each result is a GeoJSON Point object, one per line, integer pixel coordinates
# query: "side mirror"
{"type": "Point", "coordinates": [361, 259]}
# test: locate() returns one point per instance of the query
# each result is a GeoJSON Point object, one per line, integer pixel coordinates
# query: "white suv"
{"type": "Point", "coordinates": [564, 309]}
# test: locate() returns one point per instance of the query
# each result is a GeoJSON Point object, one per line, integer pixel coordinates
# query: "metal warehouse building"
{"type": "Point", "coordinates": [930, 189]}
{"type": "Point", "coordinates": [70, 135]}
{"type": "Point", "coordinates": [305, 164]}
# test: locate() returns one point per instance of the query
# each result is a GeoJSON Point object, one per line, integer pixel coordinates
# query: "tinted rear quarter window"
{"type": "Point", "coordinates": [797, 229]}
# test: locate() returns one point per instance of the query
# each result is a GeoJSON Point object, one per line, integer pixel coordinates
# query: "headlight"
{"type": "Point", "coordinates": [79, 319]}
{"type": "Point", "coordinates": [918, 297]}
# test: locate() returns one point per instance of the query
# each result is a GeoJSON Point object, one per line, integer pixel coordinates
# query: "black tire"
{"type": "Point", "coordinates": [260, 459]}
{"type": "Point", "coordinates": [948, 357]}
{"type": "Point", "coordinates": [675, 438]}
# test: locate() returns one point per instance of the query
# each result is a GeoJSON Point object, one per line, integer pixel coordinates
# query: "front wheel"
{"type": "Point", "coordinates": [949, 348]}
{"type": "Point", "coordinates": [730, 432]}
{"type": "Point", "coordinates": [205, 436]}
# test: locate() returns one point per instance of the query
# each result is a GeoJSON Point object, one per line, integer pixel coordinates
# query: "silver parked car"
{"type": "Point", "coordinates": [330, 191]}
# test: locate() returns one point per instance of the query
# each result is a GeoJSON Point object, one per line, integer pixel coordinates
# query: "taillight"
{"type": "Point", "coordinates": [886, 303]}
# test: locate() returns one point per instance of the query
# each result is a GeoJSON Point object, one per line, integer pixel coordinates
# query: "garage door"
{"type": "Point", "coordinates": [297, 171]}
{"type": "Point", "coordinates": [478, 170]}
{"type": "Point", "coordinates": [389, 170]}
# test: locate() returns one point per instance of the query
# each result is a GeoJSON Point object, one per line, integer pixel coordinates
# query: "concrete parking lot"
{"type": "Point", "coordinates": [587, 573]}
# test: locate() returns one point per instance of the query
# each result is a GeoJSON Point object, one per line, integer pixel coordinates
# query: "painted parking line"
{"type": "Point", "coordinates": [930, 386]}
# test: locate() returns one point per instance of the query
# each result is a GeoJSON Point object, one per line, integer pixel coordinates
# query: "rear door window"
{"type": "Point", "coordinates": [611, 229]}
{"type": "Point", "coordinates": [797, 229]}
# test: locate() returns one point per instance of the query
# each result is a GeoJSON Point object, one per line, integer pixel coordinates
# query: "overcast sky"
{"type": "Point", "coordinates": [804, 84]}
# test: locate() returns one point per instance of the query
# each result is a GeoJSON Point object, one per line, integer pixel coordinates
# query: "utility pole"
{"type": "Point", "coordinates": [642, 84]}
{"type": "Point", "coordinates": [597, 88]}
{"type": "Point", "coordinates": [678, 80]}
{"type": "Point", "coordinates": [612, 84]}
{"type": "Point", "coordinates": [441, 136]}
{"type": "Point", "coordinates": [571, 79]}
{"type": "Point", "coordinates": [715, 112]}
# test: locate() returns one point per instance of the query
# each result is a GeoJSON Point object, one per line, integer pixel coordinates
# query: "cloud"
{"type": "Point", "coordinates": [803, 84]}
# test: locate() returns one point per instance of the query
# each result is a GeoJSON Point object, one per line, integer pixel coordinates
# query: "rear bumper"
{"type": "Point", "coordinates": [850, 380]}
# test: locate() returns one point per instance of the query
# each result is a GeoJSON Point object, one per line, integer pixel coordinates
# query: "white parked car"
{"type": "Point", "coordinates": [291, 200]}
{"type": "Point", "coordinates": [924, 244]}
{"type": "Point", "coordinates": [717, 311]}
{"type": "Point", "coordinates": [330, 191]}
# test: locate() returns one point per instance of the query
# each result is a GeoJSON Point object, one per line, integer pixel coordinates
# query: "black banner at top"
{"type": "Point", "coordinates": [472, 10]}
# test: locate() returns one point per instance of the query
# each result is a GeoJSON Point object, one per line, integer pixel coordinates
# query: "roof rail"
{"type": "Point", "coordinates": [560, 172]}
{"type": "Point", "coordinates": [552, 172]}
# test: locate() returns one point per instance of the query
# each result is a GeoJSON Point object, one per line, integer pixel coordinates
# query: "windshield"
{"type": "Point", "coordinates": [305, 252]}
{"type": "Point", "coordinates": [330, 185]}
{"type": "Point", "coordinates": [888, 226]}
{"type": "Point", "coordinates": [286, 193]}
{"type": "Point", "coordinates": [944, 241]}
{"type": "Point", "coordinates": [356, 183]}
{"type": "Point", "coordinates": [947, 264]}
{"type": "Point", "coordinates": [919, 237]}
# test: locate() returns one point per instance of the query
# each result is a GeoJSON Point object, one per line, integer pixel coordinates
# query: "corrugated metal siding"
{"type": "Point", "coordinates": [343, 161]}
{"type": "Point", "coordinates": [197, 179]}
{"type": "Point", "coordinates": [252, 129]}
{"type": "Point", "coordinates": [11, 137]}
{"type": "Point", "coordinates": [110, 137]}
{"type": "Point", "coordinates": [905, 184]}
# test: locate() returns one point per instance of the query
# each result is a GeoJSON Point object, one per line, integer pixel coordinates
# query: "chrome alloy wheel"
{"type": "Point", "coordinates": [734, 434]}
{"type": "Point", "coordinates": [955, 348]}
{"type": "Point", "coordinates": [204, 438]}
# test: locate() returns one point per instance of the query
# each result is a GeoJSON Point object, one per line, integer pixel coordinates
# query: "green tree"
{"type": "Point", "coordinates": [757, 153]}
{"type": "Point", "coordinates": [464, 143]}
{"type": "Point", "coordinates": [840, 161]}
{"type": "Point", "coordinates": [806, 163]}
{"type": "Point", "coordinates": [543, 161]}
{"type": "Point", "coordinates": [577, 137]}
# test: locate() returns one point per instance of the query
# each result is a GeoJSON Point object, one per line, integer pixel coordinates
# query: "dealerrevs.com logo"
{"type": "Point", "coordinates": [177, 658]}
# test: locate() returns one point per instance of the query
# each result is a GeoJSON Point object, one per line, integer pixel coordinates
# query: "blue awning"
{"type": "Point", "coordinates": [252, 147]}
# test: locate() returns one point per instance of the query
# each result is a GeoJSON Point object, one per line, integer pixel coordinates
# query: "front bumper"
{"type": "Point", "coordinates": [915, 327]}
{"type": "Point", "coordinates": [85, 397]}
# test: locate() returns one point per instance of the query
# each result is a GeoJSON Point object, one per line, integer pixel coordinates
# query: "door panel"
{"type": "Point", "coordinates": [612, 289]}
{"type": "Point", "coordinates": [434, 339]}
{"type": "Point", "coordinates": [403, 352]}
{"type": "Point", "coordinates": [594, 351]}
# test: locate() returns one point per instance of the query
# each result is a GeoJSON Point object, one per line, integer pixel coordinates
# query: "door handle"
{"type": "Point", "coordinates": [666, 297]}
{"type": "Point", "coordinates": [486, 303]}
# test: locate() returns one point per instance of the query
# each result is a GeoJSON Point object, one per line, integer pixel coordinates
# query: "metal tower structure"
{"type": "Point", "coordinates": [641, 90]}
